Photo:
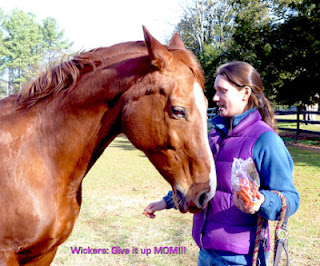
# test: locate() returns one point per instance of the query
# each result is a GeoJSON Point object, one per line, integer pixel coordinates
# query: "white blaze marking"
{"type": "Point", "coordinates": [201, 105]}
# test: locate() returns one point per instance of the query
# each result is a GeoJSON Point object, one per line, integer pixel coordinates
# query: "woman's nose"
{"type": "Point", "coordinates": [216, 97]}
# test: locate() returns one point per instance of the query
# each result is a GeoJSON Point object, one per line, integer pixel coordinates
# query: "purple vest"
{"type": "Point", "coordinates": [221, 225]}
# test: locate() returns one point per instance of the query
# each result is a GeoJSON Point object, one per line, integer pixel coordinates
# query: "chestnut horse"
{"type": "Point", "coordinates": [53, 132]}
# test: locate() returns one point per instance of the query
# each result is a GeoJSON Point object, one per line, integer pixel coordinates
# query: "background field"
{"type": "Point", "coordinates": [123, 182]}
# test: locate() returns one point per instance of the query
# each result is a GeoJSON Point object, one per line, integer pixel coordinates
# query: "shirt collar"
{"type": "Point", "coordinates": [222, 123]}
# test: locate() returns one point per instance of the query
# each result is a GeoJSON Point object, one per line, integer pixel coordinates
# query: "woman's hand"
{"type": "Point", "coordinates": [250, 209]}
{"type": "Point", "coordinates": [153, 207]}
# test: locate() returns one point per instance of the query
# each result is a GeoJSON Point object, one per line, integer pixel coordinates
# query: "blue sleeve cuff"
{"type": "Point", "coordinates": [169, 201]}
{"type": "Point", "coordinates": [271, 207]}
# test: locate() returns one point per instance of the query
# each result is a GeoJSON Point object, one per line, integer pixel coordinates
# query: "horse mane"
{"type": "Point", "coordinates": [62, 77]}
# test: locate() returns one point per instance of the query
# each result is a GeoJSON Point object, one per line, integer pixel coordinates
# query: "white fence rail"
{"type": "Point", "coordinates": [210, 114]}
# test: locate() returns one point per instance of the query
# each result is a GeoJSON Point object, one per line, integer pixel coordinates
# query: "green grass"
{"type": "Point", "coordinates": [304, 226]}
{"type": "Point", "coordinates": [115, 192]}
{"type": "Point", "coordinates": [123, 182]}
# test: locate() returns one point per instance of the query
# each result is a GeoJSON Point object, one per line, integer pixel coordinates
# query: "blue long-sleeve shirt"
{"type": "Point", "coordinates": [275, 167]}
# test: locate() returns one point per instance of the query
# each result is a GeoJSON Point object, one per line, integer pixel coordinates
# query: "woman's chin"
{"type": "Point", "coordinates": [223, 112]}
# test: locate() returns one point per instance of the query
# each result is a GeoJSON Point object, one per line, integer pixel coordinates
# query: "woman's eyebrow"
{"type": "Point", "coordinates": [219, 88]}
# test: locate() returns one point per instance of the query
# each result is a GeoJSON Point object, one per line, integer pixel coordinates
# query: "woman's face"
{"type": "Point", "coordinates": [230, 100]}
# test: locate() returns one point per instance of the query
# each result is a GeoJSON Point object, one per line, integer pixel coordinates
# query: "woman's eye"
{"type": "Point", "coordinates": [179, 112]}
{"type": "Point", "coordinates": [221, 89]}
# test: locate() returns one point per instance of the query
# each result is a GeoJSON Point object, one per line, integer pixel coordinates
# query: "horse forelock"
{"type": "Point", "coordinates": [179, 55]}
{"type": "Point", "coordinates": [190, 60]}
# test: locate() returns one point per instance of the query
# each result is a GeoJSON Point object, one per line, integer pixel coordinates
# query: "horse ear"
{"type": "Point", "coordinates": [176, 42]}
{"type": "Point", "coordinates": [159, 54]}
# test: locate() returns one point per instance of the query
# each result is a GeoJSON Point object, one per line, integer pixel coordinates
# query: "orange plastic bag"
{"type": "Point", "coordinates": [245, 180]}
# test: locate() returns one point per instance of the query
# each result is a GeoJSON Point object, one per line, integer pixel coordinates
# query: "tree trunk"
{"type": "Point", "coordinates": [10, 87]}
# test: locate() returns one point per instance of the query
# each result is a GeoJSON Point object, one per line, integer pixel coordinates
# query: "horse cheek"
{"type": "Point", "coordinates": [143, 123]}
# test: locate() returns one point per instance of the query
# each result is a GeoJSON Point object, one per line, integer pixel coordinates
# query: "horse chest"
{"type": "Point", "coordinates": [52, 230]}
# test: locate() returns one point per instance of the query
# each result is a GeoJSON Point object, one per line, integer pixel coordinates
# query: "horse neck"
{"type": "Point", "coordinates": [87, 118]}
{"type": "Point", "coordinates": [83, 126]}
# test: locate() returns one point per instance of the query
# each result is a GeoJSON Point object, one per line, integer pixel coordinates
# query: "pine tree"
{"type": "Point", "coordinates": [26, 45]}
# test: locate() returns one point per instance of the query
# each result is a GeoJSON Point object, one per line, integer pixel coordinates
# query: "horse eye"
{"type": "Point", "coordinates": [179, 112]}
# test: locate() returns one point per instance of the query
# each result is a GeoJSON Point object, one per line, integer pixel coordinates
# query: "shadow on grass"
{"type": "Point", "coordinates": [122, 142]}
{"type": "Point", "coordinates": [305, 156]}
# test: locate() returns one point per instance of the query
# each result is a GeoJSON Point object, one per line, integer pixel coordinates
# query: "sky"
{"type": "Point", "coordinates": [95, 23]}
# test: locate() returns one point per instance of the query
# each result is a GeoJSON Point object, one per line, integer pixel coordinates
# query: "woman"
{"type": "Point", "coordinates": [225, 229]}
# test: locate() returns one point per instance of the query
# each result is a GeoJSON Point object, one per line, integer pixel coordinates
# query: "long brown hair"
{"type": "Point", "coordinates": [243, 74]}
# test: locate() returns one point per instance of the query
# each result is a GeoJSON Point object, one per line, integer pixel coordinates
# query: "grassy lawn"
{"type": "Point", "coordinates": [304, 226]}
{"type": "Point", "coordinates": [123, 182]}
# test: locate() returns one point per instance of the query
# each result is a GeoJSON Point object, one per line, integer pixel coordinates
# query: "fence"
{"type": "Point", "coordinates": [213, 111]}
{"type": "Point", "coordinates": [210, 114]}
{"type": "Point", "coordinates": [298, 121]}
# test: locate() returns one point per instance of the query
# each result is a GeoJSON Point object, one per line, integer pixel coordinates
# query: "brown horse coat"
{"type": "Point", "coordinates": [57, 127]}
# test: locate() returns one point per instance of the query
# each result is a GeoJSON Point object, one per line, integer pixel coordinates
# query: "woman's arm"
{"type": "Point", "coordinates": [275, 167]}
{"type": "Point", "coordinates": [153, 207]}
{"type": "Point", "coordinates": [166, 203]}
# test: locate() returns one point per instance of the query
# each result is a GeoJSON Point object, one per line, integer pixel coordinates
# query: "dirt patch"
{"type": "Point", "coordinates": [304, 146]}
{"type": "Point", "coordinates": [295, 143]}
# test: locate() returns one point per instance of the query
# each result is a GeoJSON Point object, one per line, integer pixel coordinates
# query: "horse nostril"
{"type": "Point", "coordinates": [181, 201]}
{"type": "Point", "coordinates": [202, 199]}
{"type": "Point", "coordinates": [179, 196]}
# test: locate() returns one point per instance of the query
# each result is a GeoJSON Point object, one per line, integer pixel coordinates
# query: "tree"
{"type": "Point", "coordinates": [24, 44]}
{"type": "Point", "coordinates": [54, 42]}
{"type": "Point", "coordinates": [206, 28]}
{"type": "Point", "coordinates": [252, 40]}
{"type": "Point", "coordinates": [206, 22]}
{"type": "Point", "coordinates": [296, 54]}
{"type": "Point", "coordinates": [2, 52]}
{"type": "Point", "coordinates": [280, 38]}
{"type": "Point", "coordinates": [21, 40]}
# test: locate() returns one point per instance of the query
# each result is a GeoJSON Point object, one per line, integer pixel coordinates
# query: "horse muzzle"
{"type": "Point", "coordinates": [187, 203]}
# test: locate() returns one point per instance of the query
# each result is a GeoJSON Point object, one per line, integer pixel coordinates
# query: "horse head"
{"type": "Point", "coordinates": [168, 122]}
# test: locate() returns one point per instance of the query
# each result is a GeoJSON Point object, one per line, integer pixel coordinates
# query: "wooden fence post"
{"type": "Point", "coordinates": [298, 122]}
